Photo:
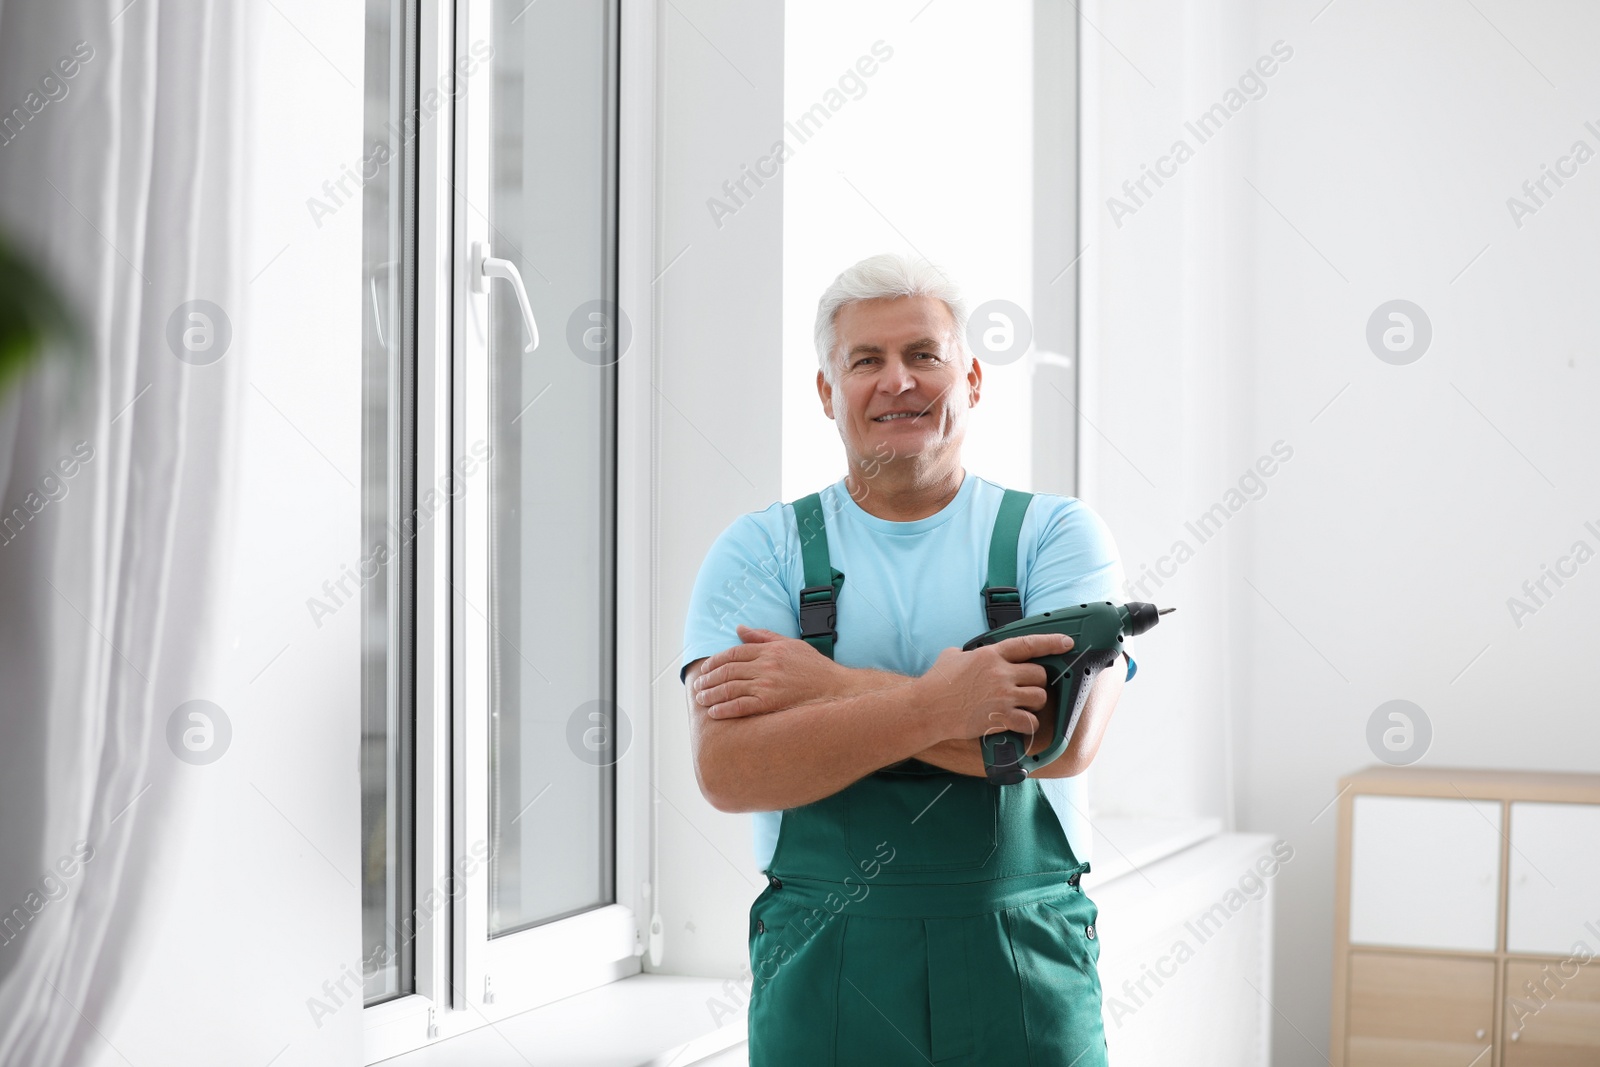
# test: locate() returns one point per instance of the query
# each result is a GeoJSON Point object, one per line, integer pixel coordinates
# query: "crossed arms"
{"type": "Point", "coordinates": [774, 724]}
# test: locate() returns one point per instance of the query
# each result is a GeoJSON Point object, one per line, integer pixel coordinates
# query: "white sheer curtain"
{"type": "Point", "coordinates": [121, 179]}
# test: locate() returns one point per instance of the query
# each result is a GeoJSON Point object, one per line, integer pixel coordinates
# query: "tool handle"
{"type": "Point", "coordinates": [1070, 678]}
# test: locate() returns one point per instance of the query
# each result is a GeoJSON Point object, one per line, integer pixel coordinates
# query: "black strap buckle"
{"type": "Point", "coordinates": [817, 617]}
{"type": "Point", "coordinates": [1001, 612]}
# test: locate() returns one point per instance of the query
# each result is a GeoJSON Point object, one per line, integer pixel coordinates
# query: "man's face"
{"type": "Point", "coordinates": [897, 356]}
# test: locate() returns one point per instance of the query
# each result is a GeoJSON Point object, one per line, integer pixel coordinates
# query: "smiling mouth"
{"type": "Point", "coordinates": [910, 416]}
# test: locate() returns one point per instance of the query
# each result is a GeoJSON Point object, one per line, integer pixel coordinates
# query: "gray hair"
{"type": "Point", "coordinates": [888, 275]}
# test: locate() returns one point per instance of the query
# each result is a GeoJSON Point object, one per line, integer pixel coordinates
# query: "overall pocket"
{"type": "Point", "coordinates": [794, 990]}
{"type": "Point", "coordinates": [1077, 916]}
{"type": "Point", "coordinates": [1057, 966]}
{"type": "Point", "coordinates": [913, 821]}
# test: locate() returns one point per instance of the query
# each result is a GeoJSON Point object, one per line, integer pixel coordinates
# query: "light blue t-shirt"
{"type": "Point", "coordinates": [911, 590]}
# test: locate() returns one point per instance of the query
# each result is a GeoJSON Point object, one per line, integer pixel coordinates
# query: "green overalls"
{"type": "Point", "coordinates": [921, 916]}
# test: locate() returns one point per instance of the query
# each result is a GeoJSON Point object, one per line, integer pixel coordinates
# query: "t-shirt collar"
{"type": "Point", "coordinates": [958, 504]}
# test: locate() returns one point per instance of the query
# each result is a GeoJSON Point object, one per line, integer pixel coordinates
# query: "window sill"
{"type": "Point", "coordinates": [653, 1020]}
{"type": "Point", "coordinates": [1122, 846]}
{"type": "Point", "coordinates": [648, 1020]}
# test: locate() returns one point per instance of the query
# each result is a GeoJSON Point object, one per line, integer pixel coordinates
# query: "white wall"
{"type": "Point", "coordinates": [1449, 519]}
{"type": "Point", "coordinates": [1379, 562]}
{"type": "Point", "coordinates": [262, 906]}
{"type": "Point", "coordinates": [720, 387]}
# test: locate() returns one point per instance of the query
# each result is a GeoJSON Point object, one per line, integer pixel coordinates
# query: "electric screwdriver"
{"type": "Point", "coordinates": [1096, 630]}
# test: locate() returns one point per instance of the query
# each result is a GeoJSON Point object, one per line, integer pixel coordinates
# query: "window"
{"type": "Point", "coordinates": [552, 422]}
{"type": "Point", "coordinates": [541, 731]}
{"type": "Point", "coordinates": [388, 775]}
{"type": "Point", "coordinates": [503, 847]}
{"type": "Point", "coordinates": [862, 94]}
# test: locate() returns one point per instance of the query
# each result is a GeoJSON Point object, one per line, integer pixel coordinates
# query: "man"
{"type": "Point", "coordinates": [914, 912]}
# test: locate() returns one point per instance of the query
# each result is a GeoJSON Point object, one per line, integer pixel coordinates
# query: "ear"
{"type": "Point", "coordinates": [825, 391]}
{"type": "Point", "coordinates": [974, 382]}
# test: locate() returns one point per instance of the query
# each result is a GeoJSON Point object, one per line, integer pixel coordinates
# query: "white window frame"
{"type": "Point", "coordinates": [454, 954]}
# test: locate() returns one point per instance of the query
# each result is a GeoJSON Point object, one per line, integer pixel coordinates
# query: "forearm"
{"type": "Point", "coordinates": [799, 755]}
{"type": "Point", "coordinates": [965, 755]}
{"type": "Point", "coordinates": [958, 754]}
{"type": "Point", "coordinates": [962, 755]}
{"type": "Point", "coordinates": [853, 681]}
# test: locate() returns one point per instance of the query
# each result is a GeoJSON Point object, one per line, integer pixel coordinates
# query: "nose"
{"type": "Point", "coordinates": [896, 378]}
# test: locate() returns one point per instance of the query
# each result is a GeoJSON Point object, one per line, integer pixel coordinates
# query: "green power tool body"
{"type": "Point", "coordinates": [1097, 632]}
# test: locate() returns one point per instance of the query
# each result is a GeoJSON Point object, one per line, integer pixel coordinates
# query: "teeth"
{"type": "Point", "coordinates": [898, 415]}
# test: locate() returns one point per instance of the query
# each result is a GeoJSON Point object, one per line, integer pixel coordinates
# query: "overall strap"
{"type": "Point", "coordinates": [1002, 602]}
{"type": "Point", "coordinates": [819, 598]}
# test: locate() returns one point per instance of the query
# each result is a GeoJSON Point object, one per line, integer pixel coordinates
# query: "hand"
{"type": "Point", "coordinates": [991, 688]}
{"type": "Point", "coordinates": [1046, 733]}
{"type": "Point", "coordinates": [769, 672]}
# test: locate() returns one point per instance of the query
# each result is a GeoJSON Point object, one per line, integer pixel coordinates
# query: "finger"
{"type": "Point", "coordinates": [1015, 720]}
{"type": "Point", "coordinates": [1032, 646]}
{"type": "Point", "coordinates": [736, 654]}
{"type": "Point", "coordinates": [751, 634]}
{"type": "Point", "coordinates": [1027, 674]}
{"type": "Point", "coordinates": [1031, 697]}
{"type": "Point", "coordinates": [707, 676]}
{"type": "Point", "coordinates": [724, 692]}
{"type": "Point", "coordinates": [1025, 722]}
{"type": "Point", "coordinates": [728, 672]}
{"type": "Point", "coordinates": [737, 708]}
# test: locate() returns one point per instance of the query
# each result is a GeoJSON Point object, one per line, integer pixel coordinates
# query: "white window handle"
{"type": "Point", "coordinates": [485, 267]}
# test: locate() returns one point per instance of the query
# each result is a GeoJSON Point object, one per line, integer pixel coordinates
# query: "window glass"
{"type": "Point", "coordinates": [388, 773]}
{"type": "Point", "coordinates": [554, 731]}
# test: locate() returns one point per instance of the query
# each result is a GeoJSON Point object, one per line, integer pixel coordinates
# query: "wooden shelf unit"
{"type": "Point", "coordinates": [1430, 979]}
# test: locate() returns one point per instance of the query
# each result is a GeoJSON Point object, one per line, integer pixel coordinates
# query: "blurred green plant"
{"type": "Point", "coordinates": [34, 317]}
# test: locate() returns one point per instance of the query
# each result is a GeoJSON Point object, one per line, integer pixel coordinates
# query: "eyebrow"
{"type": "Point", "coordinates": [921, 342]}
